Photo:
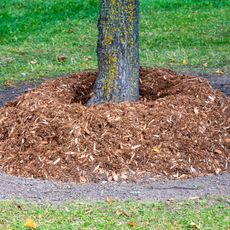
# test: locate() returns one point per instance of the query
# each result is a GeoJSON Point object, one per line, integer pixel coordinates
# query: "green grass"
{"type": "Point", "coordinates": [199, 214]}
{"type": "Point", "coordinates": [34, 33]}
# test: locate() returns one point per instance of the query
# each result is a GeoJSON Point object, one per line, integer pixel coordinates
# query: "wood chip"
{"type": "Point", "coordinates": [55, 162]}
{"type": "Point", "coordinates": [227, 140]}
{"type": "Point", "coordinates": [49, 133]}
{"type": "Point", "coordinates": [218, 151]}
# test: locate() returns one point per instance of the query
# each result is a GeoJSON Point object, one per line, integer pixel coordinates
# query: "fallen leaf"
{"type": "Point", "coordinates": [30, 224]}
{"type": "Point", "coordinates": [87, 58]}
{"type": "Point", "coordinates": [118, 212]}
{"type": "Point", "coordinates": [88, 211]}
{"type": "Point", "coordinates": [194, 225]}
{"type": "Point", "coordinates": [127, 214]}
{"type": "Point", "coordinates": [219, 71]}
{"type": "Point", "coordinates": [172, 59]}
{"type": "Point", "coordinates": [61, 58]}
{"type": "Point", "coordinates": [33, 62]}
{"type": "Point", "coordinates": [109, 200]}
{"type": "Point", "coordinates": [132, 224]}
{"type": "Point", "coordinates": [133, 210]}
{"type": "Point", "coordinates": [176, 225]}
{"type": "Point", "coordinates": [8, 83]}
{"type": "Point", "coordinates": [184, 62]}
{"type": "Point", "coordinates": [156, 149]}
{"type": "Point", "coordinates": [19, 206]}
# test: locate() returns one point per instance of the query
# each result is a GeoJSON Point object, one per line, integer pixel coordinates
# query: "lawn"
{"type": "Point", "coordinates": [194, 214]}
{"type": "Point", "coordinates": [185, 35]}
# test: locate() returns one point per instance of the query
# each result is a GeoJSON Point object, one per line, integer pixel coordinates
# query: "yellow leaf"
{"type": "Point", "coordinates": [156, 149]}
{"type": "Point", "coordinates": [30, 224]}
{"type": "Point", "coordinates": [184, 62]}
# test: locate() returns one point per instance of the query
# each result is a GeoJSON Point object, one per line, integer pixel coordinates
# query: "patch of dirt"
{"type": "Point", "coordinates": [180, 128]}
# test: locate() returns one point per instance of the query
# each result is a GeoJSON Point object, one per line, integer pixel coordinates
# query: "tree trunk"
{"type": "Point", "coordinates": [117, 52]}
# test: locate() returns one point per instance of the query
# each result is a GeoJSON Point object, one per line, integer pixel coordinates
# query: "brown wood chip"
{"type": "Point", "coordinates": [178, 129]}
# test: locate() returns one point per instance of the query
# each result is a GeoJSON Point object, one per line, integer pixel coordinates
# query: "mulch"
{"type": "Point", "coordinates": [179, 128]}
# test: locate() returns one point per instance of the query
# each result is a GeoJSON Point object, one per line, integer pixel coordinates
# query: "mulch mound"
{"type": "Point", "coordinates": [180, 128]}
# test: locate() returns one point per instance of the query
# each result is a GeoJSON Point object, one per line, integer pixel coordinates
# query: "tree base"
{"type": "Point", "coordinates": [177, 129]}
{"type": "Point", "coordinates": [97, 100]}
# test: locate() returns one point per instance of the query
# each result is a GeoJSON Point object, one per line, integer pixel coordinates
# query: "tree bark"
{"type": "Point", "coordinates": [117, 52]}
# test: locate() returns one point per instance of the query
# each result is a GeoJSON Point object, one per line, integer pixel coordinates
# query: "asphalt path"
{"type": "Point", "coordinates": [41, 191]}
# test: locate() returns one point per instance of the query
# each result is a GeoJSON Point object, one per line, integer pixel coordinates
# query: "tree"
{"type": "Point", "coordinates": [117, 52]}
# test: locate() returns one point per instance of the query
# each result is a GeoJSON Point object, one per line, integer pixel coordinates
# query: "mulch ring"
{"type": "Point", "coordinates": [180, 128]}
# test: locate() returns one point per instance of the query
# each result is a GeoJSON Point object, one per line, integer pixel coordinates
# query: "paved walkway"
{"type": "Point", "coordinates": [45, 191]}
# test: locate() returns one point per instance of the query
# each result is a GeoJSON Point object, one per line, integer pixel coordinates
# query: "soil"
{"type": "Point", "coordinates": [179, 129]}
